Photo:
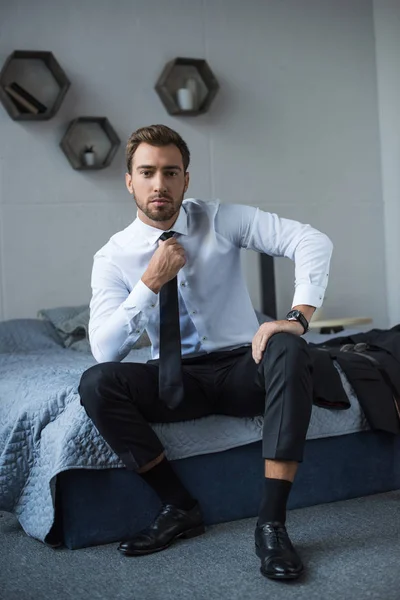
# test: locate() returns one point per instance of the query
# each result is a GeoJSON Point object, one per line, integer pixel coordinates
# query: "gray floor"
{"type": "Point", "coordinates": [351, 550]}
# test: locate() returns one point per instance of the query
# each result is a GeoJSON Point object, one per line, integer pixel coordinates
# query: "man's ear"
{"type": "Point", "coordinates": [187, 177]}
{"type": "Point", "coordinates": [128, 182]}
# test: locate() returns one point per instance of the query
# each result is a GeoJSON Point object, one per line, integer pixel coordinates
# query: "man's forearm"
{"type": "Point", "coordinates": [113, 331]}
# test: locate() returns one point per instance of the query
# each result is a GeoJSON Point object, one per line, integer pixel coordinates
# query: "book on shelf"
{"type": "Point", "coordinates": [28, 97]}
{"type": "Point", "coordinates": [20, 107]}
{"type": "Point", "coordinates": [21, 101]}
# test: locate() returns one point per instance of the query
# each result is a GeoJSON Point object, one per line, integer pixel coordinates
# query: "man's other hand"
{"type": "Point", "coordinates": [267, 330]}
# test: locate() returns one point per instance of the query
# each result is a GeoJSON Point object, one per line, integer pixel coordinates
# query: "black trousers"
{"type": "Point", "coordinates": [122, 398]}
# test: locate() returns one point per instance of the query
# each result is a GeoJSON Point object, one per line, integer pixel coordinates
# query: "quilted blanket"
{"type": "Point", "coordinates": [44, 430]}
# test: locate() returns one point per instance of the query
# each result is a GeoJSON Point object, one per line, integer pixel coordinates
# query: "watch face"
{"type": "Point", "coordinates": [294, 314]}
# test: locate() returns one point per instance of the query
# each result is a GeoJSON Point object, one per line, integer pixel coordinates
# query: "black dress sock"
{"type": "Point", "coordinates": [165, 482]}
{"type": "Point", "coordinates": [274, 500]}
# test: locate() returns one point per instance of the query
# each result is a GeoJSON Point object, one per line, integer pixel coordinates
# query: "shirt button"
{"type": "Point", "coordinates": [183, 283]}
{"type": "Point", "coordinates": [137, 331]}
{"type": "Point", "coordinates": [204, 338]}
{"type": "Point", "coordinates": [194, 312]}
{"type": "Point", "coordinates": [152, 305]}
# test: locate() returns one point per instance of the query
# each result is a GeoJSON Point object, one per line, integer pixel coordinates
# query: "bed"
{"type": "Point", "coordinates": [67, 487]}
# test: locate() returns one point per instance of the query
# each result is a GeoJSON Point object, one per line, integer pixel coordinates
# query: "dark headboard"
{"type": "Point", "coordinates": [268, 291]}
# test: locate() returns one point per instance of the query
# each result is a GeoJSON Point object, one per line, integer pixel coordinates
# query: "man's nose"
{"type": "Point", "coordinates": [160, 183]}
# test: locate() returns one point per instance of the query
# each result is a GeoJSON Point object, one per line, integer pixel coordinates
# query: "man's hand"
{"type": "Point", "coordinates": [266, 330]}
{"type": "Point", "coordinates": [167, 260]}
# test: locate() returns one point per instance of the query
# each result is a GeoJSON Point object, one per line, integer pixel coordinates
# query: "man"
{"type": "Point", "coordinates": [230, 365]}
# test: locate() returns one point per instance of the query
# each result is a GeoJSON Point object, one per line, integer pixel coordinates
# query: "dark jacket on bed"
{"type": "Point", "coordinates": [371, 362]}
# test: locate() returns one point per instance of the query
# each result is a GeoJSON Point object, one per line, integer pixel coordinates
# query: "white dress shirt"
{"type": "Point", "coordinates": [214, 304]}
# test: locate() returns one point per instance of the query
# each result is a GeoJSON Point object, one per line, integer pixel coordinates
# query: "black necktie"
{"type": "Point", "coordinates": [170, 366]}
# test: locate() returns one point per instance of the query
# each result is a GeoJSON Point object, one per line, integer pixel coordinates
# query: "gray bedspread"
{"type": "Point", "coordinates": [44, 430]}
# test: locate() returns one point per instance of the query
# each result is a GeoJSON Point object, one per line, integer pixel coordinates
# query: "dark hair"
{"type": "Point", "coordinates": [156, 135]}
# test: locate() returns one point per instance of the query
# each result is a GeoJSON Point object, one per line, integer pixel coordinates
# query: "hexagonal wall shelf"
{"type": "Point", "coordinates": [187, 86]}
{"type": "Point", "coordinates": [90, 133]}
{"type": "Point", "coordinates": [32, 85]}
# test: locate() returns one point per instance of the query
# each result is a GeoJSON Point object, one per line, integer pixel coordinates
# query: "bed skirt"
{"type": "Point", "coordinates": [110, 505]}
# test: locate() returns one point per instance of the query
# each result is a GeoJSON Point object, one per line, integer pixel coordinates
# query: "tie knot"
{"type": "Point", "coordinates": [166, 235]}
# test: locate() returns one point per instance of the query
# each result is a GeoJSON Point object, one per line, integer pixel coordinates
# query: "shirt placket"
{"type": "Point", "coordinates": [193, 312]}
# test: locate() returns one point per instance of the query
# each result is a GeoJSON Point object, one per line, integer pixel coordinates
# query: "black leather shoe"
{"type": "Point", "coordinates": [279, 560]}
{"type": "Point", "coordinates": [170, 524]}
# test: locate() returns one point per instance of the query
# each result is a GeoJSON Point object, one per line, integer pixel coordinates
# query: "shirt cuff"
{"type": "Point", "coordinates": [141, 299]}
{"type": "Point", "coordinates": [312, 295]}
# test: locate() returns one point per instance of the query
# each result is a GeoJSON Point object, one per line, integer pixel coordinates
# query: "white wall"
{"type": "Point", "coordinates": [293, 130]}
{"type": "Point", "coordinates": [387, 35]}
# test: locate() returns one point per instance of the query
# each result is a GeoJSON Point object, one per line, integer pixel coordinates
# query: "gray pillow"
{"type": "Point", "coordinates": [26, 335]}
{"type": "Point", "coordinates": [61, 314]}
{"type": "Point", "coordinates": [72, 325]}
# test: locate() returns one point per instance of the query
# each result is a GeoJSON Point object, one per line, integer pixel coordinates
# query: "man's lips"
{"type": "Point", "coordinates": [160, 201]}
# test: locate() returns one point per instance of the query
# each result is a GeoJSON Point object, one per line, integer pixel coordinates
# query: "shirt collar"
{"type": "Point", "coordinates": [152, 234]}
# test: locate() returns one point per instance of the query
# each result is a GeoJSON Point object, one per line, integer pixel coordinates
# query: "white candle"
{"type": "Point", "coordinates": [185, 99]}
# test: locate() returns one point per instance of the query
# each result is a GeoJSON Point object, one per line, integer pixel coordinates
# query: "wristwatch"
{"type": "Point", "coordinates": [296, 315]}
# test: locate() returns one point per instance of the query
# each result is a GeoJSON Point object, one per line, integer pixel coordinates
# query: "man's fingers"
{"type": "Point", "coordinates": [262, 343]}
{"type": "Point", "coordinates": [168, 242]}
{"type": "Point", "coordinates": [176, 247]}
{"type": "Point", "coordinates": [254, 350]}
{"type": "Point", "coordinates": [258, 346]}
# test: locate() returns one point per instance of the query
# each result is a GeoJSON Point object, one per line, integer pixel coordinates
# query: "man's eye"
{"type": "Point", "coordinates": [145, 173]}
{"type": "Point", "coordinates": [172, 173]}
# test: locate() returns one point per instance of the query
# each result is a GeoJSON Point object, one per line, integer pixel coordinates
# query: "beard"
{"type": "Point", "coordinates": [160, 213]}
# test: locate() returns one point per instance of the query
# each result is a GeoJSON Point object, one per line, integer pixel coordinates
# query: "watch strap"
{"type": "Point", "coordinates": [297, 315]}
